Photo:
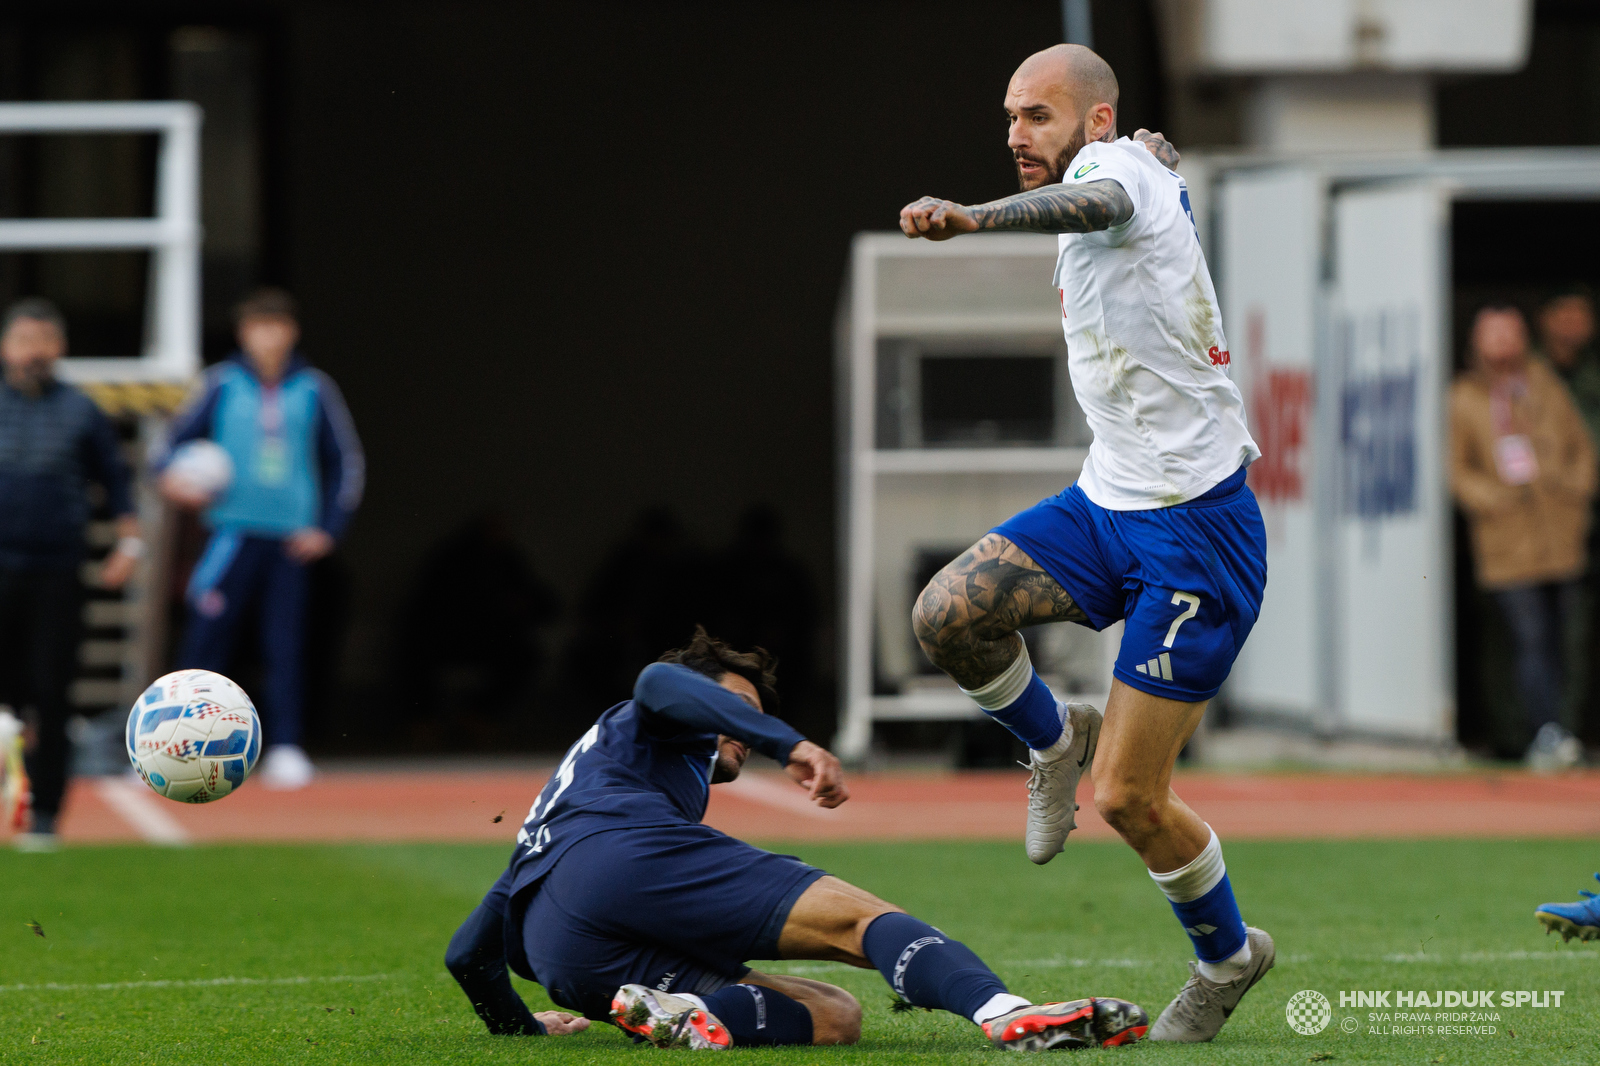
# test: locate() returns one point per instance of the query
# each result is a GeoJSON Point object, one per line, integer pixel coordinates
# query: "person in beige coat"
{"type": "Point", "coordinates": [1523, 469]}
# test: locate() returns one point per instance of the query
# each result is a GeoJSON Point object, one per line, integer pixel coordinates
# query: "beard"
{"type": "Point", "coordinates": [31, 376]}
{"type": "Point", "coordinates": [1054, 169]}
{"type": "Point", "coordinates": [729, 763]}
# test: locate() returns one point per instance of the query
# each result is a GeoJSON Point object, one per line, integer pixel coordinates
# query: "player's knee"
{"type": "Point", "coordinates": [936, 627]}
{"type": "Point", "coordinates": [1126, 809]}
{"type": "Point", "coordinates": [925, 617]}
{"type": "Point", "coordinates": [835, 1017]}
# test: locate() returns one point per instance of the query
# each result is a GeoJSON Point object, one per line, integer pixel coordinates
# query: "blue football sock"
{"type": "Point", "coordinates": [760, 1016]}
{"type": "Point", "coordinates": [1018, 700]}
{"type": "Point", "coordinates": [1218, 912]}
{"type": "Point", "coordinates": [927, 968]}
{"type": "Point", "coordinates": [1203, 900]}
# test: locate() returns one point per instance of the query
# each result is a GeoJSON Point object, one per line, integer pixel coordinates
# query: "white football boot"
{"type": "Point", "coordinates": [285, 768]}
{"type": "Point", "coordinates": [1202, 1006]}
{"type": "Point", "coordinates": [1053, 784]}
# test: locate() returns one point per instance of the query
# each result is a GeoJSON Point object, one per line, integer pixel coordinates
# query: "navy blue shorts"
{"type": "Point", "coordinates": [1186, 579]}
{"type": "Point", "coordinates": [678, 908]}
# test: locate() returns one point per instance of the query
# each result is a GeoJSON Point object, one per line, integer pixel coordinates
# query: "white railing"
{"type": "Point", "coordinates": [172, 334]}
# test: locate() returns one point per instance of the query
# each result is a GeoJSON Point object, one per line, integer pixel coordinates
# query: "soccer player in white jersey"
{"type": "Point", "coordinates": [1160, 530]}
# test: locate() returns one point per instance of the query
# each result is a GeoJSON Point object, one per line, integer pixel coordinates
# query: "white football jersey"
{"type": "Point", "coordinates": [1145, 349]}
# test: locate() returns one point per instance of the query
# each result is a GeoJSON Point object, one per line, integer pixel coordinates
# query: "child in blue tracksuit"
{"type": "Point", "coordinates": [298, 477]}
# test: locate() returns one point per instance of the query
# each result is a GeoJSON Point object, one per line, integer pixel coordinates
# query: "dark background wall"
{"type": "Point", "coordinates": [575, 263]}
{"type": "Point", "coordinates": [569, 261]}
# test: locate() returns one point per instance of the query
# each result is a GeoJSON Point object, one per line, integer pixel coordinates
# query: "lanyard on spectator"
{"type": "Point", "coordinates": [1513, 452]}
{"type": "Point", "coordinates": [272, 451]}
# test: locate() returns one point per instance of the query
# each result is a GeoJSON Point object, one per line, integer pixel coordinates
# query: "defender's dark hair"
{"type": "Point", "coordinates": [705, 654]}
{"type": "Point", "coordinates": [266, 301]}
{"type": "Point", "coordinates": [35, 309]}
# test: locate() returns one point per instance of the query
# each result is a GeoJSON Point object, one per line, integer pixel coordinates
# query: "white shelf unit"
{"type": "Point", "coordinates": [991, 293]}
{"type": "Point", "coordinates": [172, 334]}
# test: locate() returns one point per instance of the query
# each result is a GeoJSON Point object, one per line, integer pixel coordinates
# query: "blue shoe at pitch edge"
{"type": "Point", "coordinates": [1581, 919]}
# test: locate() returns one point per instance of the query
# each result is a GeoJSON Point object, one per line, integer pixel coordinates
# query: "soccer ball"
{"type": "Point", "coordinates": [202, 466]}
{"type": "Point", "coordinates": [194, 736]}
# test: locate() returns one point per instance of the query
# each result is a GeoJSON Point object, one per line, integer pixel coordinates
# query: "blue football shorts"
{"type": "Point", "coordinates": [1187, 580]}
{"type": "Point", "coordinates": [677, 908]}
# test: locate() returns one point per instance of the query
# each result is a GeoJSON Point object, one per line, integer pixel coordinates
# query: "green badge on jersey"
{"type": "Point", "coordinates": [1081, 171]}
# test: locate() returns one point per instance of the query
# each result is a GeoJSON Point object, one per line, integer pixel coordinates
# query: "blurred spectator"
{"type": "Point", "coordinates": [1566, 334]}
{"type": "Point", "coordinates": [648, 593]}
{"type": "Point", "coordinates": [765, 598]}
{"type": "Point", "coordinates": [1523, 469]}
{"type": "Point", "coordinates": [53, 440]}
{"type": "Point", "coordinates": [469, 645]}
{"type": "Point", "coordinates": [298, 477]}
{"type": "Point", "coordinates": [1566, 339]}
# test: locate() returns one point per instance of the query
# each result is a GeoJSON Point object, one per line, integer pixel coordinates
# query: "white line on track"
{"type": "Point", "coordinates": [777, 792]}
{"type": "Point", "coordinates": [113, 986]}
{"type": "Point", "coordinates": [141, 809]}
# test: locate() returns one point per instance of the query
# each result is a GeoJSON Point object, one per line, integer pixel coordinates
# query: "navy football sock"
{"type": "Point", "coordinates": [927, 968]}
{"type": "Point", "coordinates": [760, 1016]}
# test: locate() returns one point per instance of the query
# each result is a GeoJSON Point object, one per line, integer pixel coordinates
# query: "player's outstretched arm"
{"type": "Point", "coordinates": [694, 701]}
{"type": "Point", "coordinates": [1095, 205]}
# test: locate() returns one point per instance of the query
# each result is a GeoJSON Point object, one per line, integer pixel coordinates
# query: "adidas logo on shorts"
{"type": "Point", "coordinates": [1160, 666]}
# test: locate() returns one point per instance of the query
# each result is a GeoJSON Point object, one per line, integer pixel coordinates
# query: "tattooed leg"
{"type": "Point", "coordinates": [967, 618]}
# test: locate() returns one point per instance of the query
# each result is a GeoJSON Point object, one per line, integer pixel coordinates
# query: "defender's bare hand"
{"type": "Point", "coordinates": [560, 1023]}
{"type": "Point", "coordinates": [935, 219]}
{"type": "Point", "coordinates": [819, 772]}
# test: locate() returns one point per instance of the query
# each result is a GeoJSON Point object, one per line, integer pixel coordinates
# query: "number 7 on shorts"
{"type": "Point", "coordinates": [1181, 598]}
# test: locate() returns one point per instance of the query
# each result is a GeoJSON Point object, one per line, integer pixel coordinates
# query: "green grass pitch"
{"type": "Point", "coordinates": [332, 954]}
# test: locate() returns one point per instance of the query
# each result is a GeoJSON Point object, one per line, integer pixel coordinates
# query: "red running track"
{"type": "Point", "coordinates": [382, 805]}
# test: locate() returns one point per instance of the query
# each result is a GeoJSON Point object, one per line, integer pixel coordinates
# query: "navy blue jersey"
{"type": "Point", "coordinates": [51, 445]}
{"type": "Point", "coordinates": [646, 763]}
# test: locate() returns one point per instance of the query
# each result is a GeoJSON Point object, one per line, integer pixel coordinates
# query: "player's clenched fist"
{"type": "Point", "coordinates": [935, 219]}
{"type": "Point", "coordinates": [819, 772]}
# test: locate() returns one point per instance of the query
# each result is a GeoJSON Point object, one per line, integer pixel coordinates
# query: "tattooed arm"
{"type": "Point", "coordinates": [939, 220]}
{"type": "Point", "coordinates": [1084, 208]}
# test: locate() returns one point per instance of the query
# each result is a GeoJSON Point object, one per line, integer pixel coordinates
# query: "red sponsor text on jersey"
{"type": "Point", "coordinates": [1219, 356]}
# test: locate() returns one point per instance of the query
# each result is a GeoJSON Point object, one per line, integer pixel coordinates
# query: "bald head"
{"type": "Point", "coordinates": [1059, 100]}
{"type": "Point", "coordinates": [1072, 71]}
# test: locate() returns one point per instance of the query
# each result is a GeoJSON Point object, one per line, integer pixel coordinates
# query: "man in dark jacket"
{"type": "Point", "coordinates": [53, 441]}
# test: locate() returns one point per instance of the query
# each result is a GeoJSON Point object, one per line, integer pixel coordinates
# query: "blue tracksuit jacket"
{"type": "Point", "coordinates": [296, 458]}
